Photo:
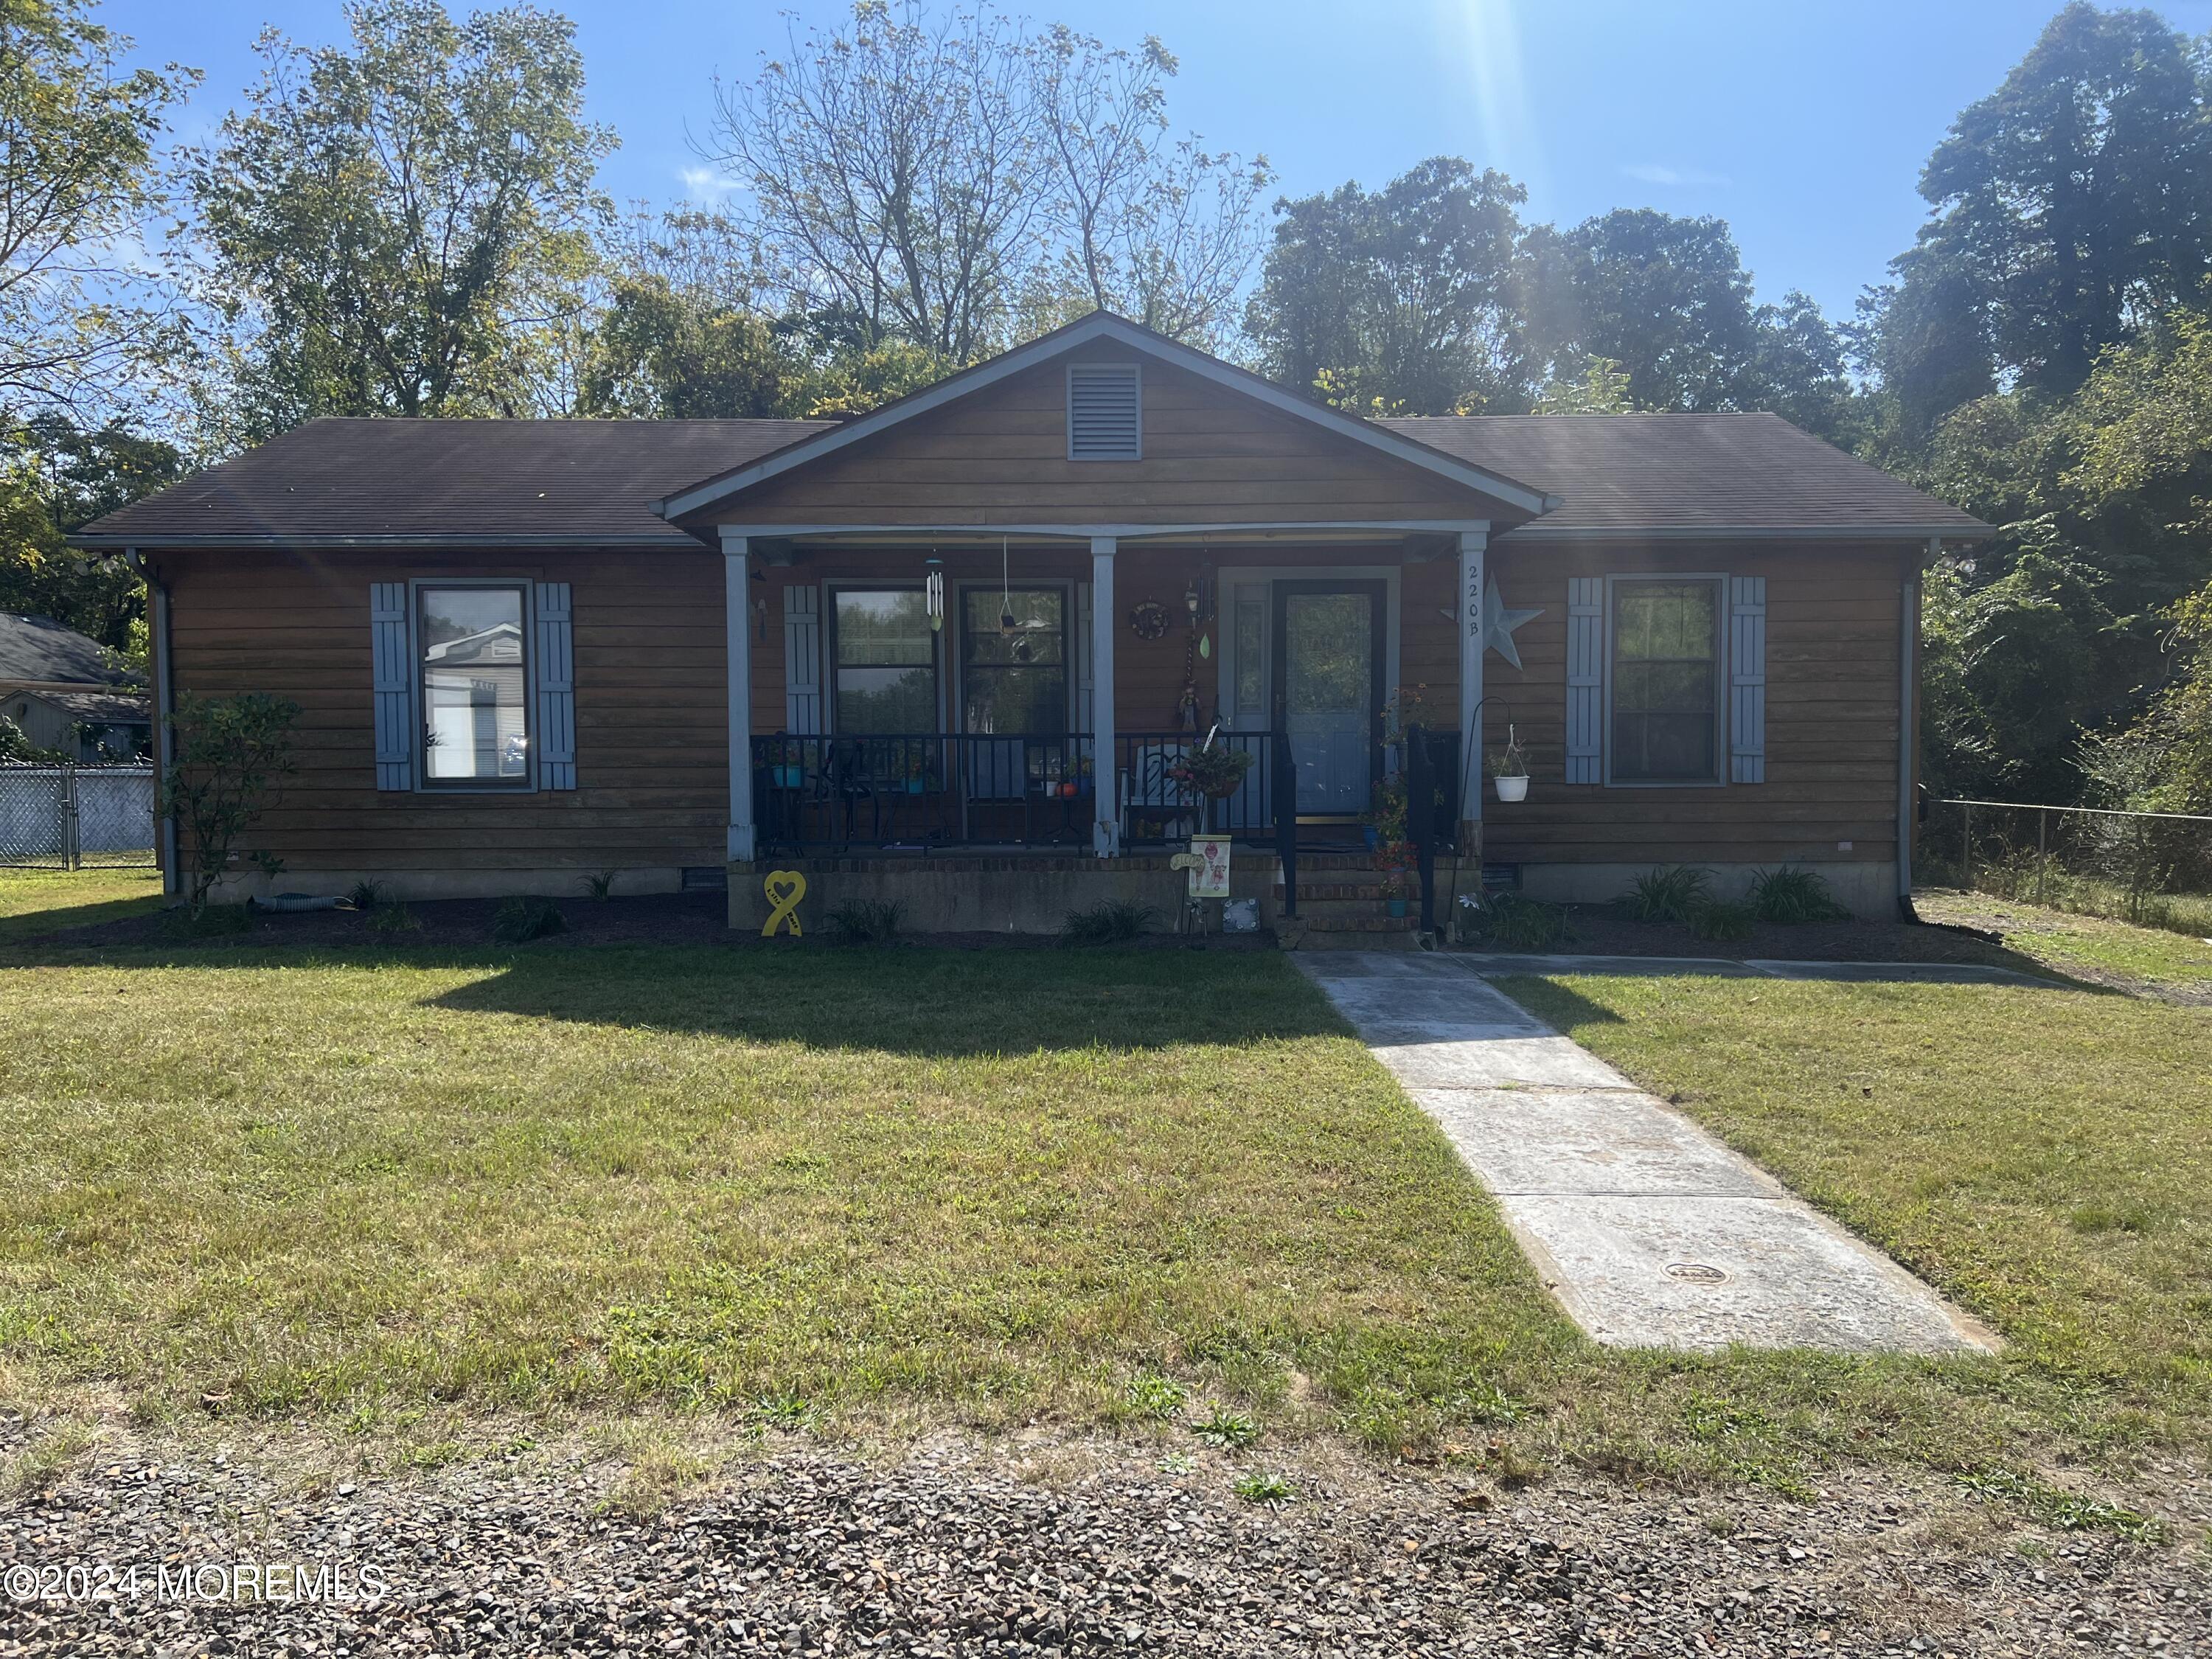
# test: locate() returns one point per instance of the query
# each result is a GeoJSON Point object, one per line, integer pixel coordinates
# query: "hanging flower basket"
{"type": "Point", "coordinates": [1509, 771]}
{"type": "Point", "coordinates": [1214, 771]}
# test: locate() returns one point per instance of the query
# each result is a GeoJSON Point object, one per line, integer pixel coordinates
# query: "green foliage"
{"type": "Point", "coordinates": [1512, 922]}
{"type": "Point", "coordinates": [394, 919]}
{"type": "Point", "coordinates": [2054, 1506]}
{"type": "Point", "coordinates": [1264, 1487]}
{"type": "Point", "coordinates": [77, 177]}
{"type": "Point", "coordinates": [1601, 388]}
{"type": "Point", "coordinates": [1669, 892]}
{"type": "Point", "coordinates": [228, 753]}
{"type": "Point", "coordinates": [55, 477]}
{"type": "Point", "coordinates": [868, 922]}
{"type": "Point", "coordinates": [404, 227]}
{"type": "Point", "coordinates": [1724, 921]}
{"type": "Point", "coordinates": [17, 747]}
{"type": "Point", "coordinates": [1790, 897]}
{"type": "Point", "coordinates": [1161, 1397]}
{"type": "Point", "coordinates": [1111, 921]}
{"type": "Point", "coordinates": [365, 895]}
{"type": "Point", "coordinates": [598, 886]}
{"type": "Point", "coordinates": [518, 920]}
{"type": "Point", "coordinates": [1230, 1431]}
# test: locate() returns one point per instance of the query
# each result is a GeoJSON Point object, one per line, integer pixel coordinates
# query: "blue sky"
{"type": "Point", "coordinates": [1803, 123]}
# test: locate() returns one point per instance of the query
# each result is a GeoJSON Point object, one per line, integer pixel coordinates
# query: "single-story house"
{"type": "Point", "coordinates": [64, 692]}
{"type": "Point", "coordinates": [957, 651]}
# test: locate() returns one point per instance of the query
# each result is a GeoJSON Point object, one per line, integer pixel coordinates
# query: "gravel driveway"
{"type": "Point", "coordinates": [944, 1551]}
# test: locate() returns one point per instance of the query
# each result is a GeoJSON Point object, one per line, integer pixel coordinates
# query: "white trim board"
{"type": "Point", "coordinates": [1102, 325]}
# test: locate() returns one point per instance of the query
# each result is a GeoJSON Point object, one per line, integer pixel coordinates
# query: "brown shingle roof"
{"type": "Point", "coordinates": [335, 481]}
{"type": "Point", "coordinates": [1689, 475]}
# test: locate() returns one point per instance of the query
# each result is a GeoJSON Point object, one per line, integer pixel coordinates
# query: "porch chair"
{"type": "Point", "coordinates": [1149, 795]}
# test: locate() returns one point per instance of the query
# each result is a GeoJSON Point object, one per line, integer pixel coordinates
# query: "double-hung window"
{"type": "Point", "coordinates": [1667, 681]}
{"type": "Point", "coordinates": [885, 662]}
{"type": "Point", "coordinates": [1013, 661]}
{"type": "Point", "coordinates": [472, 666]}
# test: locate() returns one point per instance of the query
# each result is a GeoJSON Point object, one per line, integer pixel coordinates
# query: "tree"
{"type": "Point", "coordinates": [2074, 204]}
{"type": "Point", "coordinates": [895, 171]}
{"type": "Point", "coordinates": [405, 227]}
{"type": "Point", "coordinates": [1665, 297]}
{"type": "Point", "coordinates": [1601, 389]}
{"type": "Point", "coordinates": [54, 476]}
{"type": "Point", "coordinates": [76, 176]}
{"type": "Point", "coordinates": [1797, 367]}
{"type": "Point", "coordinates": [1406, 296]}
{"type": "Point", "coordinates": [1164, 232]}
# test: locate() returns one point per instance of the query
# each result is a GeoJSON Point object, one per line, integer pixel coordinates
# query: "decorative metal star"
{"type": "Point", "coordinates": [1498, 622]}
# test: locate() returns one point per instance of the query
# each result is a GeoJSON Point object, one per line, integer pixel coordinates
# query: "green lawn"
{"type": "Point", "coordinates": [1000, 1186]}
{"type": "Point", "coordinates": [41, 901]}
{"type": "Point", "coordinates": [2083, 944]}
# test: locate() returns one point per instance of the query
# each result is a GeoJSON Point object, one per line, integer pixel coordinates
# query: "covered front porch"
{"type": "Point", "coordinates": [1038, 694]}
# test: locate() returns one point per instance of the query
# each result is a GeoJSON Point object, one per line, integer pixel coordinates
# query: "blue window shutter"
{"type": "Point", "coordinates": [1585, 679]}
{"type": "Point", "coordinates": [556, 689]}
{"type": "Point", "coordinates": [802, 659]}
{"type": "Point", "coordinates": [392, 684]}
{"type": "Point", "coordinates": [1747, 679]}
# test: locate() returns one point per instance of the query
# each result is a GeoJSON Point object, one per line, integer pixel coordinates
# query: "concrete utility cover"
{"type": "Point", "coordinates": [1649, 1232]}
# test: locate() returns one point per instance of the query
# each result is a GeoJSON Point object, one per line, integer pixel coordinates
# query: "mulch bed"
{"type": "Point", "coordinates": [694, 918]}
{"type": "Point", "coordinates": [1595, 930]}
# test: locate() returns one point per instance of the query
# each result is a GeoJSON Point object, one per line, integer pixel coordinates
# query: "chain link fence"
{"type": "Point", "coordinates": [2151, 868]}
{"type": "Point", "coordinates": [69, 818]}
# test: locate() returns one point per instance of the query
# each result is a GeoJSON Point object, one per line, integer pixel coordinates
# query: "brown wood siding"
{"type": "Point", "coordinates": [653, 776]}
{"type": "Point", "coordinates": [1831, 729]}
{"type": "Point", "coordinates": [999, 456]}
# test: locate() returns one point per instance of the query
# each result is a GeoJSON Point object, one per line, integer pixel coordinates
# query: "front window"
{"type": "Point", "coordinates": [886, 662]}
{"type": "Point", "coordinates": [1013, 661]}
{"type": "Point", "coordinates": [471, 647]}
{"type": "Point", "coordinates": [1666, 682]}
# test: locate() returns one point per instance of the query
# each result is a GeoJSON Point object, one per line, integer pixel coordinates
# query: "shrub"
{"type": "Point", "coordinates": [518, 920]}
{"type": "Point", "coordinates": [868, 922]}
{"type": "Point", "coordinates": [227, 754]}
{"type": "Point", "coordinates": [1113, 922]}
{"type": "Point", "coordinates": [1790, 896]}
{"type": "Point", "coordinates": [1723, 919]}
{"type": "Point", "coordinates": [599, 886]}
{"type": "Point", "coordinates": [1668, 893]}
{"type": "Point", "coordinates": [1512, 922]}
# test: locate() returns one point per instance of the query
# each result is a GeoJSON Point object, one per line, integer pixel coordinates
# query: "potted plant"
{"type": "Point", "coordinates": [1212, 769]}
{"type": "Point", "coordinates": [1385, 823]}
{"type": "Point", "coordinates": [788, 770]}
{"type": "Point", "coordinates": [1395, 892]}
{"type": "Point", "coordinates": [1509, 770]}
{"type": "Point", "coordinates": [913, 767]}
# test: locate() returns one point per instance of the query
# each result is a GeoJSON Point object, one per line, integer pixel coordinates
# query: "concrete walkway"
{"type": "Point", "coordinates": [1650, 1232]}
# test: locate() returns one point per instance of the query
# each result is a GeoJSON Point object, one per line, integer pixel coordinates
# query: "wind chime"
{"type": "Point", "coordinates": [932, 592]}
{"type": "Point", "coordinates": [1198, 606]}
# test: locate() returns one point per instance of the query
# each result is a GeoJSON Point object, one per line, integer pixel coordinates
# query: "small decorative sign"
{"type": "Point", "coordinates": [783, 890]}
{"type": "Point", "coordinates": [1210, 879]}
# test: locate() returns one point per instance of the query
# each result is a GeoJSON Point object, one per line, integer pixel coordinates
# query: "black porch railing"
{"type": "Point", "coordinates": [905, 792]}
{"type": "Point", "coordinates": [1431, 763]}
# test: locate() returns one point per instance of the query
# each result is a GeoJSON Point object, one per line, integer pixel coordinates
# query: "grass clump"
{"type": "Point", "coordinates": [598, 886]}
{"type": "Point", "coordinates": [365, 895]}
{"type": "Point", "coordinates": [1672, 892]}
{"type": "Point", "coordinates": [1512, 922]}
{"type": "Point", "coordinates": [2054, 1506]}
{"type": "Point", "coordinates": [394, 920]}
{"type": "Point", "coordinates": [1113, 922]}
{"type": "Point", "coordinates": [1160, 1397]}
{"type": "Point", "coordinates": [1262, 1487]}
{"type": "Point", "coordinates": [1723, 920]}
{"type": "Point", "coordinates": [868, 922]}
{"type": "Point", "coordinates": [1791, 897]}
{"type": "Point", "coordinates": [520, 920]}
{"type": "Point", "coordinates": [1230, 1431]}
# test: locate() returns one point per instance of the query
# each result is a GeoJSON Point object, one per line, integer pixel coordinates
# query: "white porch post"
{"type": "Point", "coordinates": [1106, 830]}
{"type": "Point", "coordinates": [1473, 548]}
{"type": "Point", "coordinates": [737, 621]}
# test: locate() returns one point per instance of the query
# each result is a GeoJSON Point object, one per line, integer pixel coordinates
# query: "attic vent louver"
{"type": "Point", "coordinates": [1103, 412]}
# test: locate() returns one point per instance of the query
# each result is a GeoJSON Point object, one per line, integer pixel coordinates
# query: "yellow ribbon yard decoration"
{"type": "Point", "coordinates": [783, 889]}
